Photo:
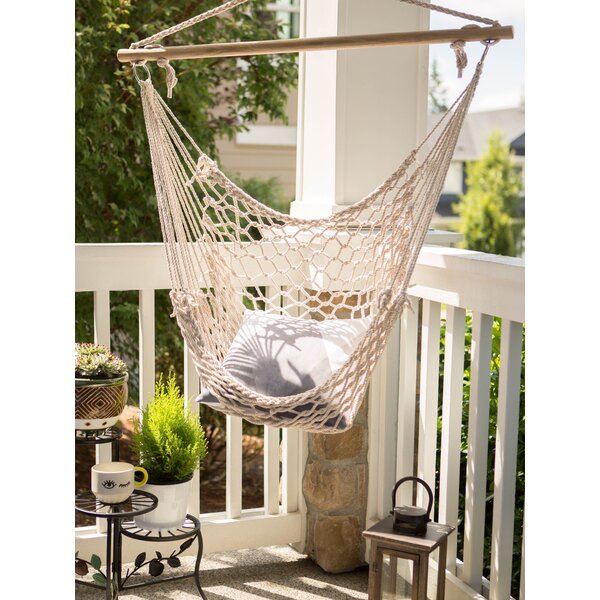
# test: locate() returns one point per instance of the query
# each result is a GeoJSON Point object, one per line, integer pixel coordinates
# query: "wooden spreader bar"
{"type": "Point", "coordinates": [372, 40]}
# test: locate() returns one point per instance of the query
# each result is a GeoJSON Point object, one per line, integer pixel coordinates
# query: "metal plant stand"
{"type": "Point", "coordinates": [137, 504]}
{"type": "Point", "coordinates": [189, 531]}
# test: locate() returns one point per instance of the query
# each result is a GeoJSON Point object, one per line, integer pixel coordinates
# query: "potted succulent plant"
{"type": "Point", "coordinates": [100, 387]}
{"type": "Point", "coordinates": [170, 444]}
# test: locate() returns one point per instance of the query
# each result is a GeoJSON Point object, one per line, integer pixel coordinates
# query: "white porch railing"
{"type": "Point", "coordinates": [104, 268]}
{"type": "Point", "coordinates": [404, 408]}
{"type": "Point", "coordinates": [448, 281]}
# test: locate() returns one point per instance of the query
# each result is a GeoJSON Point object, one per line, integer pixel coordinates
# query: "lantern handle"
{"type": "Point", "coordinates": [418, 480]}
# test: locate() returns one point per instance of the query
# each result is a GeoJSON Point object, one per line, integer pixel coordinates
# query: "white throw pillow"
{"type": "Point", "coordinates": [277, 355]}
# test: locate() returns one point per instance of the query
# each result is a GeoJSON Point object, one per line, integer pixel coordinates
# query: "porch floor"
{"type": "Point", "coordinates": [273, 573]}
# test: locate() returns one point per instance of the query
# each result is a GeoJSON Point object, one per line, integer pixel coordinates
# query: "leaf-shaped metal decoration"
{"type": "Point", "coordinates": [99, 578]}
{"type": "Point", "coordinates": [186, 544]}
{"type": "Point", "coordinates": [158, 555]}
{"type": "Point", "coordinates": [174, 562]}
{"type": "Point", "coordinates": [139, 559]}
{"type": "Point", "coordinates": [155, 568]}
{"type": "Point", "coordinates": [96, 562]}
{"type": "Point", "coordinates": [81, 567]}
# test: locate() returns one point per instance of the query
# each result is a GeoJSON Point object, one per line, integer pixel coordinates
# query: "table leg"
{"type": "Point", "coordinates": [109, 586]}
{"type": "Point", "coordinates": [393, 574]}
{"type": "Point", "coordinates": [197, 565]}
{"type": "Point", "coordinates": [118, 551]}
{"type": "Point", "coordinates": [414, 594]}
{"type": "Point", "coordinates": [115, 450]}
{"type": "Point", "coordinates": [375, 568]}
{"type": "Point", "coordinates": [423, 572]}
{"type": "Point", "coordinates": [441, 579]}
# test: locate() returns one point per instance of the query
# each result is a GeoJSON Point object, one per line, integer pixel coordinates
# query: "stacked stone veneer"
{"type": "Point", "coordinates": [335, 490]}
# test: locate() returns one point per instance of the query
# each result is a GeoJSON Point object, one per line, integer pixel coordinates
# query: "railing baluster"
{"type": "Point", "coordinates": [271, 470]}
{"type": "Point", "coordinates": [191, 389]}
{"type": "Point", "coordinates": [147, 352]}
{"type": "Point", "coordinates": [102, 317]}
{"type": "Point", "coordinates": [102, 336]}
{"type": "Point", "coordinates": [384, 392]}
{"type": "Point", "coordinates": [428, 396]}
{"type": "Point", "coordinates": [407, 399]}
{"type": "Point", "coordinates": [234, 468]}
{"type": "Point", "coordinates": [476, 484]}
{"type": "Point", "coordinates": [507, 435]}
{"type": "Point", "coordinates": [454, 364]}
{"type": "Point", "coordinates": [191, 381]}
{"type": "Point", "coordinates": [290, 459]}
{"type": "Point", "coordinates": [290, 470]}
{"type": "Point", "coordinates": [271, 434]}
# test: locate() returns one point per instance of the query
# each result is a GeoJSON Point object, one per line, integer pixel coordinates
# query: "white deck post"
{"type": "Point", "coordinates": [360, 112]}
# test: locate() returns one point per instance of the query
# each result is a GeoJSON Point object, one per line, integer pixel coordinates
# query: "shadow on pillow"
{"type": "Point", "coordinates": [278, 356]}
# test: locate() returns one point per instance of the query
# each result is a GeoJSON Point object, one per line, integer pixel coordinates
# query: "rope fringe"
{"type": "Point", "coordinates": [461, 56]}
{"type": "Point", "coordinates": [171, 76]}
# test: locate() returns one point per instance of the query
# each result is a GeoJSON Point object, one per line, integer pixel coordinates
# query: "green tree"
{"type": "Point", "coordinates": [438, 95]}
{"type": "Point", "coordinates": [215, 98]}
{"type": "Point", "coordinates": [491, 203]}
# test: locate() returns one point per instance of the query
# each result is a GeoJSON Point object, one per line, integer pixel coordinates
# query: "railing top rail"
{"type": "Point", "coordinates": [474, 280]}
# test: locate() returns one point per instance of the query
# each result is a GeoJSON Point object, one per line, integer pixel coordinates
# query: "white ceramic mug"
{"type": "Point", "coordinates": [114, 482]}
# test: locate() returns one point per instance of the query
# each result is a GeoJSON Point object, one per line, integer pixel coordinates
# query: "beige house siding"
{"type": "Point", "coordinates": [261, 161]}
{"type": "Point", "coordinates": [265, 160]}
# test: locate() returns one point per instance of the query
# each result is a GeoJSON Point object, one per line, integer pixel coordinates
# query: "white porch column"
{"type": "Point", "coordinates": [360, 111]}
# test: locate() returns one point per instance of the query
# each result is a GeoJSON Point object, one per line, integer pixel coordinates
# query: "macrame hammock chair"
{"type": "Point", "coordinates": [327, 289]}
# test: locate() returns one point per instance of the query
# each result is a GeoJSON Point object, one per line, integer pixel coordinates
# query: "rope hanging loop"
{"type": "Point", "coordinates": [459, 49]}
{"type": "Point", "coordinates": [141, 64]}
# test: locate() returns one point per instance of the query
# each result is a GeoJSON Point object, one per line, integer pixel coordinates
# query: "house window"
{"type": "Point", "coordinates": [454, 179]}
{"type": "Point", "coordinates": [287, 13]}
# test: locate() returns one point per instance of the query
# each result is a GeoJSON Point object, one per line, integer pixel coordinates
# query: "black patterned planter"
{"type": "Point", "coordinates": [99, 402]}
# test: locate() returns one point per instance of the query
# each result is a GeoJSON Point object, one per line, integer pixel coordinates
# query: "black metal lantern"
{"type": "Point", "coordinates": [411, 520]}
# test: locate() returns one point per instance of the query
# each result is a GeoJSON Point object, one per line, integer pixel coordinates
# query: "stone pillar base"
{"type": "Point", "coordinates": [335, 490]}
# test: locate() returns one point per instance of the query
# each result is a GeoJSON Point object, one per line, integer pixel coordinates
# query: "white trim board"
{"type": "Point", "coordinates": [267, 135]}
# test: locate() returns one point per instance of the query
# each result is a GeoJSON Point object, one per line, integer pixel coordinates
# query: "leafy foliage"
{"type": "Point", "coordinates": [491, 202]}
{"type": "Point", "coordinates": [115, 199]}
{"type": "Point", "coordinates": [169, 439]}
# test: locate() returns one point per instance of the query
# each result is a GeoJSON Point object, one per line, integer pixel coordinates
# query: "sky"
{"type": "Point", "coordinates": [502, 83]}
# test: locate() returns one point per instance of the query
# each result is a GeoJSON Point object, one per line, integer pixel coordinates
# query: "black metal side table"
{"type": "Point", "coordinates": [189, 531]}
{"type": "Point", "coordinates": [137, 504]}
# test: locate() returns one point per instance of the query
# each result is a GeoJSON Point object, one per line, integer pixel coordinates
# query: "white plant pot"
{"type": "Point", "coordinates": [172, 506]}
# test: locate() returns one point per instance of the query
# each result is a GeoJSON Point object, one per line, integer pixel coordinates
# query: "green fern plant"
{"type": "Point", "coordinates": [169, 438]}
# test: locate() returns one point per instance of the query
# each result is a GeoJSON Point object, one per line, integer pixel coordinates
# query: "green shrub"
{"type": "Point", "coordinates": [169, 440]}
{"type": "Point", "coordinates": [492, 201]}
